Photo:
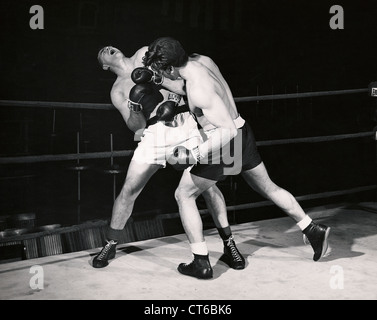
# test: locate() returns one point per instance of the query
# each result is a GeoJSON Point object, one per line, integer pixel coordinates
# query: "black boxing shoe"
{"type": "Point", "coordinates": [316, 235]}
{"type": "Point", "coordinates": [232, 256]}
{"type": "Point", "coordinates": [199, 268]}
{"type": "Point", "coordinates": [107, 253]}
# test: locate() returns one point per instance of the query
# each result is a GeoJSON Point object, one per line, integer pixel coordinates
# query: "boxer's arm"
{"type": "Point", "coordinates": [134, 120]}
{"type": "Point", "coordinates": [176, 86]}
{"type": "Point", "coordinates": [217, 113]}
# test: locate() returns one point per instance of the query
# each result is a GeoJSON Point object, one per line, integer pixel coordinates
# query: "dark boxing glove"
{"type": "Point", "coordinates": [183, 158]}
{"type": "Point", "coordinates": [144, 97]}
{"type": "Point", "coordinates": [145, 75]}
{"type": "Point", "coordinates": [167, 110]}
{"type": "Point", "coordinates": [141, 75]}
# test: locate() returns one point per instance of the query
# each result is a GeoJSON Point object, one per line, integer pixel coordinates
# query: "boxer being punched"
{"type": "Point", "coordinates": [228, 137]}
{"type": "Point", "coordinates": [163, 122]}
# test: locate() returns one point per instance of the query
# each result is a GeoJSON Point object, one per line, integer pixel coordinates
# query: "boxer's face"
{"type": "Point", "coordinates": [109, 55]}
{"type": "Point", "coordinates": [171, 73]}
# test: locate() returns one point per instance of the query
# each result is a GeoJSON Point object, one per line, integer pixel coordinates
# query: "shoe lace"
{"type": "Point", "coordinates": [306, 239]}
{"type": "Point", "coordinates": [233, 250]}
{"type": "Point", "coordinates": [106, 249]}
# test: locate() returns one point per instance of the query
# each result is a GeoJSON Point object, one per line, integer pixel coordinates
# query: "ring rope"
{"type": "Point", "coordinates": [56, 105]}
{"type": "Point", "coordinates": [125, 153]}
{"type": "Point", "coordinates": [316, 139]}
{"type": "Point", "coordinates": [63, 157]}
{"type": "Point", "coordinates": [106, 106]}
{"type": "Point", "coordinates": [299, 95]}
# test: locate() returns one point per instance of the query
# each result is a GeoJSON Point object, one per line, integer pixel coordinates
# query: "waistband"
{"type": "Point", "coordinates": [239, 122]}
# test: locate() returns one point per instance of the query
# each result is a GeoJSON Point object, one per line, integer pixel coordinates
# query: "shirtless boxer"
{"type": "Point", "coordinates": [228, 137]}
{"type": "Point", "coordinates": [163, 122]}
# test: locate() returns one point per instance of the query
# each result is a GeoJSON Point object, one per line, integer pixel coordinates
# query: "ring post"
{"type": "Point", "coordinates": [372, 90]}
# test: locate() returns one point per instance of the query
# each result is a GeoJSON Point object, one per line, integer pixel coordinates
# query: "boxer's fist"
{"type": "Point", "coordinates": [181, 158]}
{"type": "Point", "coordinates": [166, 111]}
{"type": "Point", "coordinates": [145, 75]}
{"type": "Point", "coordinates": [146, 96]}
{"type": "Point", "coordinates": [141, 75]}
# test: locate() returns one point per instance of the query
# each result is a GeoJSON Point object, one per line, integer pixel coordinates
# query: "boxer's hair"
{"type": "Point", "coordinates": [165, 52]}
{"type": "Point", "coordinates": [99, 56]}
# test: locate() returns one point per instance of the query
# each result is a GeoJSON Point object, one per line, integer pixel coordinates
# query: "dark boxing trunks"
{"type": "Point", "coordinates": [240, 154]}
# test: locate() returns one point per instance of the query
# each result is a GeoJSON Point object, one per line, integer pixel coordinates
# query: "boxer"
{"type": "Point", "coordinates": [228, 136]}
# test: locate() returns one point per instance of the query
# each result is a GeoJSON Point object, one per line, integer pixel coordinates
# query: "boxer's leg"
{"type": "Point", "coordinates": [217, 208]}
{"type": "Point", "coordinates": [189, 188]}
{"type": "Point", "coordinates": [138, 175]}
{"type": "Point", "coordinates": [317, 234]}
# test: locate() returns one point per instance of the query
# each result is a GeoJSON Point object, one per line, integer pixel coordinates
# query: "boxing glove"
{"type": "Point", "coordinates": [183, 158]}
{"type": "Point", "coordinates": [145, 75]}
{"type": "Point", "coordinates": [167, 110]}
{"type": "Point", "coordinates": [141, 75]}
{"type": "Point", "coordinates": [144, 97]}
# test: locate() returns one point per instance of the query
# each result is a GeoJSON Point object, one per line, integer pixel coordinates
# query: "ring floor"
{"type": "Point", "coordinates": [279, 265]}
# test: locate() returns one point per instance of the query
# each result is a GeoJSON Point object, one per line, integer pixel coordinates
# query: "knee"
{"type": "Point", "coordinates": [178, 194]}
{"type": "Point", "coordinates": [181, 195]}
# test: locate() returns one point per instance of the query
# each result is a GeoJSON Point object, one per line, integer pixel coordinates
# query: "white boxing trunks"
{"type": "Point", "coordinates": [159, 140]}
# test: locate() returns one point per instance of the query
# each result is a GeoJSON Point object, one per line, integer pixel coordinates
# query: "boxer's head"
{"type": "Point", "coordinates": [164, 55]}
{"type": "Point", "coordinates": [109, 56]}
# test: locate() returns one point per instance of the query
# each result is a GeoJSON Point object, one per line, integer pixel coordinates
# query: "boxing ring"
{"type": "Point", "coordinates": [268, 243]}
{"type": "Point", "coordinates": [54, 239]}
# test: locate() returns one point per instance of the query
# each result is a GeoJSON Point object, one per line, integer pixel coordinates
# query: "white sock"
{"type": "Point", "coordinates": [304, 222]}
{"type": "Point", "coordinates": [199, 248]}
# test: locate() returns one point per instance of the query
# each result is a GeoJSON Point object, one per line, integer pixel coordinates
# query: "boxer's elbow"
{"type": "Point", "coordinates": [135, 127]}
{"type": "Point", "coordinates": [233, 132]}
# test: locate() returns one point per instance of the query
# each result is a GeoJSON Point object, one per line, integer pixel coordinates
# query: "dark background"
{"type": "Point", "coordinates": [265, 43]}
{"type": "Point", "coordinates": [262, 47]}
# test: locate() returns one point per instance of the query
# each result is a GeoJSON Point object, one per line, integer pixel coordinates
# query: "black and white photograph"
{"type": "Point", "coordinates": [187, 157]}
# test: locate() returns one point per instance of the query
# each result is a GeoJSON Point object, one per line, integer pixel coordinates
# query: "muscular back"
{"type": "Point", "coordinates": [221, 87]}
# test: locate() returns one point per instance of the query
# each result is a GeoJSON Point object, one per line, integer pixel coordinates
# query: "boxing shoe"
{"type": "Point", "coordinates": [107, 253]}
{"type": "Point", "coordinates": [316, 235]}
{"type": "Point", "coordinates": [232, 256]}
{"type": "Point", "coordinates": [199, 268]}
